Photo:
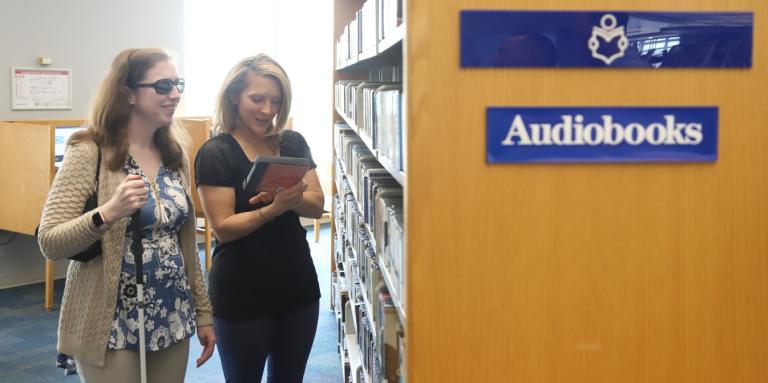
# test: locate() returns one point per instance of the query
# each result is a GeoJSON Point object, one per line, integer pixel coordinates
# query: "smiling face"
{"type": "Point", "coordinates": [258, 104]}
{"type": "Point", "coordinates": [156, 110]}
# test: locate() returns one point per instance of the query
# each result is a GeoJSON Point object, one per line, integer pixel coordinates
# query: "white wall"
{"type": "Point", "coordinates": [21, 262]}
{"type": "Point", "coordinates": [84, 36]}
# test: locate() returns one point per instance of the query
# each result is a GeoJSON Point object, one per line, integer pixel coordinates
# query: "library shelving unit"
{"type": "Point", "coordinates": [369, 181]}
{"type": "Point", "coordinates": [652, 272]}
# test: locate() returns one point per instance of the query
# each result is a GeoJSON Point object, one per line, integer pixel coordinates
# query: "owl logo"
{"type": "Point", "coordinates": [607, 32]}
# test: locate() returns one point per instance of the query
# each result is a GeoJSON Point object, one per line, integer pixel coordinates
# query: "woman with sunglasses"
{"type": "Point", "coordinates": [142, 166]}
{"type": "Point", "coordinates": [263, 283]}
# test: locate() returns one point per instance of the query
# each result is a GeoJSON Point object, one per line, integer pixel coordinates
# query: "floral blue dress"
{"type": "Point", "coordinates": [168, 312]}
{"type": "Point", "coordinates": [169, 315]}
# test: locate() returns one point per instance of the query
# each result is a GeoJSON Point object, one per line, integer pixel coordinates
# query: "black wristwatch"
{"type": "Point", "coordinates": [97, 220]}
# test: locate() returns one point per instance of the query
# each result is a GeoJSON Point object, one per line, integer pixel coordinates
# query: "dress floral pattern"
{"type": "Point", "coordinates": [168, 312]}
{"type": "Point", "coordinates": [169, 316]}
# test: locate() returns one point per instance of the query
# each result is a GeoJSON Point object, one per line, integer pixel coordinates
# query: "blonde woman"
{"type": "Point", "coordinates": [142, 165]}
{"type": "Point", "coordinates": [263, 283]}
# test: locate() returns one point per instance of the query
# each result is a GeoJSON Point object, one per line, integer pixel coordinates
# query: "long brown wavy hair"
{"type": "Point", "coordinates": [110, 111]}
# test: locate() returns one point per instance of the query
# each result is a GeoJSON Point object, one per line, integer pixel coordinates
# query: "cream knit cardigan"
{"type": "Point", "coordinates": [90, 294]}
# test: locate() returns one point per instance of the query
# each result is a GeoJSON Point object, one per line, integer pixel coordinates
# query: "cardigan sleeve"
{"type": "Point", "coordinates": [200, 297]}
{"type": "Point", "coordinates": [64, 229]}
{"type": "Point", "coordinates": [202, 303]}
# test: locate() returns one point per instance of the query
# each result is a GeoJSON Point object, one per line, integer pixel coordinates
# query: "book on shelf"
{"type": "Point", "coordinates": [387, 324]}
{"type": "Point", "coordinates": [396, 249]}
{"type": "Point", "coordinates": [386, 74]}
{"type": "Point", "coordinates": [269, 173]}
{"type": "Point", "coordinates": [363, 96]}
{"type": "Point", "coordinates": [389, 238]}
{"type": "Point", "coordinates": [354, 34]}
{"type": "Point", "coordinates": [367, 20]}
{"type": "Point", "coordinates": [390, 17]}
{"type": "Point", "coordinates": [388, 130]}
{"type": "Point", "coordinates": [358, 174]}
{"type": "Point", "coordinates": [365, 181]}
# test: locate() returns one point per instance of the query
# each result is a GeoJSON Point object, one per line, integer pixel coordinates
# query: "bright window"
{"type": "Point", "coordinates": [296, 33]}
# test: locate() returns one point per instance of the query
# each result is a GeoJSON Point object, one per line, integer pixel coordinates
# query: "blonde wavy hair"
{"type": "Point", "coordinates": [226, 113]}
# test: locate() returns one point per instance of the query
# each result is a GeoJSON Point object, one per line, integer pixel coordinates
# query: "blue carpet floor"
{"type": "Point", "coordinates": [28, 333]}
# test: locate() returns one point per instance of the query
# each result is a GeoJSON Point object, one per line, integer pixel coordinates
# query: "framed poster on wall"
{"type": "Point", "coordinates": [41, 88]}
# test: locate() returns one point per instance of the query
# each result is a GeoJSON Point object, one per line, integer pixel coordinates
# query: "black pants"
{"type": "Point", "coordinates": [244, 346]}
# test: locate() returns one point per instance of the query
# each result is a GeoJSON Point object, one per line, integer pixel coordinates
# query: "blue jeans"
{"type": "Point", "coordinates": [244, 346]}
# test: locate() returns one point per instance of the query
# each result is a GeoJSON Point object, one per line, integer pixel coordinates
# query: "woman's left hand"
{"type": "Point", "coordinates": [263, 197]}
{"type": "Point", "coordinates": [207, 338]}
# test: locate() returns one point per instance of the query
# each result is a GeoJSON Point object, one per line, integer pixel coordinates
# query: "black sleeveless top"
{"type": "Point", "coordinates": [269, 272]}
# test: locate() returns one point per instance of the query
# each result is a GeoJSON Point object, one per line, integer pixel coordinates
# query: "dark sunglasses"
{"type": "Point", "coordinates": [164, 86]}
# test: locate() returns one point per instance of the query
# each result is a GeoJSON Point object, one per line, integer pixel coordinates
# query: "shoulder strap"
{"type": "Point", "coordinates": [98, 167]}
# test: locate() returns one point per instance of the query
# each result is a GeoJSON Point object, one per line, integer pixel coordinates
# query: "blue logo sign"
{"type": "Point", "coordinates": [612, 39]}
{"type": "Point", "coordinates": [602, 134]}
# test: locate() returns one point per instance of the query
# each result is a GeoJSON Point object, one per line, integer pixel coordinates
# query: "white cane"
{"type": "Point", "coordinates": [138, 261]}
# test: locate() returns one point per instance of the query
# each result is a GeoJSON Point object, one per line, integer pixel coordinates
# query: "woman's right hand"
{"type": "Point", "coordinates": [287, 199]}
{"type": "Point", "coordinates": [129, 196]}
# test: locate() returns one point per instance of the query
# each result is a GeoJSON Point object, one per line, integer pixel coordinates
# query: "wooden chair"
{"type": "Point", "coordinates": [199, 131]}
{"type": "Point", "coordinates": [326, 215]}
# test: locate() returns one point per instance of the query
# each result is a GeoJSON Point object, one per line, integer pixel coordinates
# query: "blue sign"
{"type": "Point", "coordinates": [598, 134]}
{"type": "Point", "coordinates": [606, 39]}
